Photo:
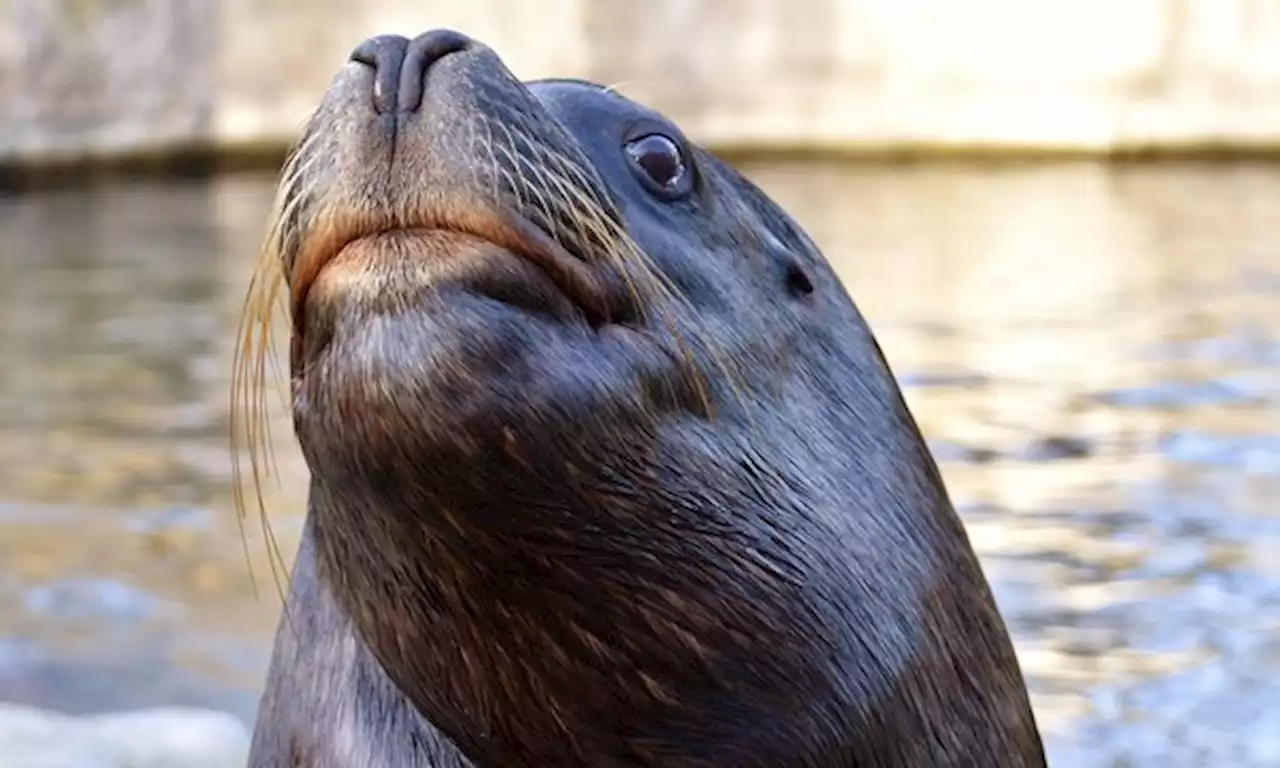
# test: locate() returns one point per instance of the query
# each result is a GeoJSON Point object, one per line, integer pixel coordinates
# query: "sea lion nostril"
{"type": "Point", "coordinates": [399, 65]}
{"type": "Point", "coordinates": [372, 52]}
{"type": "Point", "coordinates": [386, 55]}
{"type": "Point", "coordinates": [425, 50]}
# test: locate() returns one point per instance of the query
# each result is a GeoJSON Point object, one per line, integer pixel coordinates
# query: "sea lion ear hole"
{"type": "Point", "coordinates": [798, 280]}
{"type": "Point", "coordinates": [660, 160]}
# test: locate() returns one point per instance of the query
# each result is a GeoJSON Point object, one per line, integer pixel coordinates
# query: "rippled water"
{"type": "Point", "coordinates": [1093, 352]}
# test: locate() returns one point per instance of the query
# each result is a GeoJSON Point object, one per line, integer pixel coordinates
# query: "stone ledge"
{"type": "Point", "coordinates": [860, 77]}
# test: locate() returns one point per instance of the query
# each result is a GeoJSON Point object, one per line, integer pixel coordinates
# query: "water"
{"type": "Point", "coordinates": [1092, 352]}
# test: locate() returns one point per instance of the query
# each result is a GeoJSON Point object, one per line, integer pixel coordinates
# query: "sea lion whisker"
{"type": "Point", "coordinates": [247, 377]}
{"type": "Point", "coordinates": [473, 142]}
{"type": "Point", "coordinates": [615, 243]}
{"type": "Point", "coordinates": [513, 165]}
{"type": "Point", "coordinates": [618, 86]}
{"type": "Point", "coordinates": [615, 239]}
{"type": "Point", "coordinates": [584, 213]}
{"type": "Point", "coordinates": [300, 162]}
{"type": "Point", "coordinates": [626, 256]}
{"type": "Point", "coordinates": [518, 189]}
{"type": "Point", "coordinates": [265, 283]}
{"type": "Point", "coordinates": [237, 374]}
{"type": "Point", "coordinates": [588, 213]}
{"type": "Point", "coordinates": [488, 142]}
{"type": "Point", "coordinates": [250, 421]}
{"type": "Point", "coordinates": [573, 184]}
{"type": "Point", "coordinates": [256, 437]}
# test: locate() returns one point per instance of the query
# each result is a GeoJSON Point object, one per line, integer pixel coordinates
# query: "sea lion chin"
{"type": "Point", "coordinates": [607, 469]}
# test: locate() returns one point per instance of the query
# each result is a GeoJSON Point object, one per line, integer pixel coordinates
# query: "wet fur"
{"type": "Point", "coordinates": [712, 538]}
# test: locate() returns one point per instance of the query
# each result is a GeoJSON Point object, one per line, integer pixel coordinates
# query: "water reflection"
{"type": "Point", "coordinates": [1092, 352]}
{"type": "Point", "coordinates": [124, 581]}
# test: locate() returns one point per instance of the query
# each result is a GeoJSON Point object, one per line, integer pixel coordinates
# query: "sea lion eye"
{"type": "Point", "coordinates": [660, 158]}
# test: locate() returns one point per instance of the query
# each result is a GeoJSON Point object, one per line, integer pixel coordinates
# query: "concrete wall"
{"type": "Point", "coordinates": [103, 76]}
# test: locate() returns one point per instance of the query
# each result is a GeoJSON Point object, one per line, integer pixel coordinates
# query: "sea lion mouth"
{"type": "Point", "coordinates": [492, 223]}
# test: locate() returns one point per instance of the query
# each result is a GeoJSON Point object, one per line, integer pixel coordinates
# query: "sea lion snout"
{"type": "Point", "coordinates": [401, 64]}
{"type": "Point", "coordinates": [435, 134]}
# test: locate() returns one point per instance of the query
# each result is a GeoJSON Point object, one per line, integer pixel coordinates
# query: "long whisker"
{"type": "Point", "coordinates": [255, 360]}
{"type": "Point", "coordinates": [618, 86]}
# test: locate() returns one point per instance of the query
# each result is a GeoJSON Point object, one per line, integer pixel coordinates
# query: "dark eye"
{"type": "Point", "coordinates": [660, 159]}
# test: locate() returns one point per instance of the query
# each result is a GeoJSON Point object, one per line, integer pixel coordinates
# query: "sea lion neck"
{"type": "Point", "coordinates": [570, 600]}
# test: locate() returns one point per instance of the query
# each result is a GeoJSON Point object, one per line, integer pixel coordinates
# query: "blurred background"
{"type": "Point", "coordinates": [1062, 219]}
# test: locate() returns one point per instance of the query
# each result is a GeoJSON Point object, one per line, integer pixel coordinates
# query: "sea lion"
{"type": "Point", "coordinates": [607, 468]}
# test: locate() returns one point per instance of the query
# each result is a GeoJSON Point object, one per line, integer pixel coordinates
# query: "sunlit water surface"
{"type": "Point", "coordinates": [1093, 353]}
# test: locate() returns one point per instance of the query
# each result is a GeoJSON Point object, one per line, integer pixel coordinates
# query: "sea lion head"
{"type": "Point", "coordinates": [607, 467]}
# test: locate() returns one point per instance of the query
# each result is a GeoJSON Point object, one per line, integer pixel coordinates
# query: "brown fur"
{"type": "Point", "coordinates": [600, 477]}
